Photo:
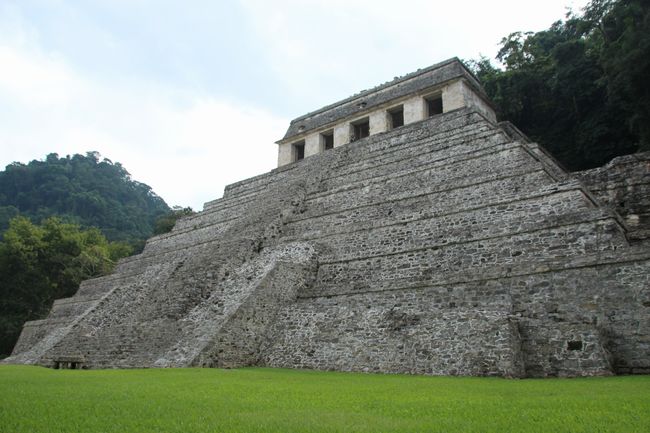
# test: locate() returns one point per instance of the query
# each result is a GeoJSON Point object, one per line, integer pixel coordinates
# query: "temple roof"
{"type": "Point", "coordinates": [367, 99]}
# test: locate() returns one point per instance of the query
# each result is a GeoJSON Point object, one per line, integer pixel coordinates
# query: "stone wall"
{"type": "Point", "coordinates": [624, 186]}
{"type": "Point", "coordinates": [440, 73]}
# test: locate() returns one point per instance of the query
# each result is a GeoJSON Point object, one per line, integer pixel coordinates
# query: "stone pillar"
{"type": "Point", "coordinates": [285, 154]}
{"type": "Point", "coordinates": [414, 110]}
{"type": "Point", "coordinates": [313, 145]}
{"type": "Point", "coordinates": [453, 96]}
{"type": "Point", "coordinates": [378, 122]}
{"type": "Point", "coordinates": [341, 134]}
{"type": "Point", "coordinates": [472, 99]}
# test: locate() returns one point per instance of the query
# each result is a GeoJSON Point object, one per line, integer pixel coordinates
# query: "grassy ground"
{"type": "Point", "coordinates": [34, 399]}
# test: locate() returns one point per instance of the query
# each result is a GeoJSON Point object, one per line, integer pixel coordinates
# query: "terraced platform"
{"type": "Point", "coordinates": [446, 246]}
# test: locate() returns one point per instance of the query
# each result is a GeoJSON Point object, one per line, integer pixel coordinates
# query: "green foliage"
{"type": "Point", "coordinates": [165, 223]}
{"type": "Point", "coordinates": [625, 57]}
{"type": "Point", "coordinates": [41, 263]}
{"type": "Point", "coordinates": [273, 400]}
{"type": "Point", "coordinates": [578, 88]}
{"type": "Point", "coordinates": [84, 190]}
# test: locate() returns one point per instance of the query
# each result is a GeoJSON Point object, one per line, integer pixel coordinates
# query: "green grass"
{"type": "Point", "coordinates": [34, 399]}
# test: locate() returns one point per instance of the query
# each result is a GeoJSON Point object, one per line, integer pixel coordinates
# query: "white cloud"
{"type": "Point", "coordinates": [186, 147]}
{"type": "Point", "coordinates": [325, 47]}
{"type": "Point", "coordinates": [195, 151]}
{"type": "Point", "coordinates": [36, 81]}
{"type": "Point", "coordinates": [187, 144]}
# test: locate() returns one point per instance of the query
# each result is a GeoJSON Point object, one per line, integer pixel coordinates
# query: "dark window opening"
{"type": "Point", "coordinates": [360, 129]}
{"type": "Point", "coordinates": [67, 365]}
{"type": "Point", "coordinates": [328, 140]}
{"type": "Point", "coordinates": [434, 105]}
{"type": "Point", "coordinates": [396, 117]}
{"type": "Point", "coordinates": [574, 345]}
{"type": "Point", "coordinates": [299, 151]}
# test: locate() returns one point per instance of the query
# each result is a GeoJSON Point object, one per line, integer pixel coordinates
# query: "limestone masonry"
{"type": "Point", "coordinates": [403, 231]}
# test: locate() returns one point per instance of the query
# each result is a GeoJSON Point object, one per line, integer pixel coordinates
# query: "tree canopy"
{"type": "Point", "coordinates": [41, 263]}
{"type": "Point", "coordinates": [578, 88]}
{"type": "Point", "coordinates": [166, 222]}
{"type": "Point", "coordinates": [81, 189]}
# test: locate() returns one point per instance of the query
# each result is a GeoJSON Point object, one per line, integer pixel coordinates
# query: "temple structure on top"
{"type": "Point", "coordinates": [438, 89]}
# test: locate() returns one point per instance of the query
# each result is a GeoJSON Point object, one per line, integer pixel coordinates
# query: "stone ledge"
{"type": "Point", "coordinates": [504, 273]}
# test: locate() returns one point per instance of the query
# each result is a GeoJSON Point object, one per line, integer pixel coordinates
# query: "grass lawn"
{"type": "Point", "coordinates": [34, 399]}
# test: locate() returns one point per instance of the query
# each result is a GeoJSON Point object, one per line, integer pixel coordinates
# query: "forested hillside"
{"type": "Point", "coordinates": [84, 190]}
{"type": "Point", "coordinates": [579, 88]}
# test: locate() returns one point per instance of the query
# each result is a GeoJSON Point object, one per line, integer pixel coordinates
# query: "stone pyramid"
{"type": "Point", "coordinates": [450, 245]}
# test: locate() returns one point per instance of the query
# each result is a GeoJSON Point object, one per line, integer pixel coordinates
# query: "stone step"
{"type": "Point", "coordinates": [96, 287]}
{"type": "Point", "coordinates": [427, 156]}
{"type": "Point", "coordinates": [460, 168]}
{"type": "Point", "coordinates": [226, 212]}
{"type": "Point", "coordinates": [235, 207]}
{"type": "Point", "coordinates": [170, 318]}
{"type": "Point", "coordinates": [129, 306]}
{"type": "Point", "coordinates": [273, 191]}
{"type": "Point", "coordinates": [473, 260]}
{"type": "Point", "coordinates": [174, 252]}
{"type": "Point", "coordinates": [243, 234]}
{"type": "Point", "coordinates": [410, 145]}
{"type": "Point", "coordinates": [385, 200]}
{"type": "Point", "coordinates": [245, 186]}
{"type": "Point", "coordinates": [220, 251]}
{"type": "Point", "coordinates": [420, 208]}
{"type": "Point", "coordinates": [361, 240]}
{"type": "Point", "coordinates": [34, 332]}
{"type": "Point", "coordinates": [209, 217]}
{"type": "Point", "coordinates": [249, 192]}
{"type": "Point", "coordinates": [72, 307]}
{"type": "Point", "coordinates": [432, 128]}
{"type": "Point", "coordinates": [225, 203]}
{"type": "Point", "coordinates": [188, 237]}
{"type": "Point", "coordinates": [373, 147]}
{"type": "Point", "coordinates": [412, 237]}
{"type": "Point", "coordinates": [235, 241]}
{"type": "Point", "coordinates": [258, 184]}
{"type": "Point", "coordinates": [354, 159]}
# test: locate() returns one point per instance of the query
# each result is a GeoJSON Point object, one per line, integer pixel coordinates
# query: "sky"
{"type": "Point", "coordinates": [191, 95]}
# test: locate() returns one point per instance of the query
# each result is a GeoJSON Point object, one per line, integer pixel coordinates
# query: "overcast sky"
{"type": "Point", "coordinates": [192, 95]}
